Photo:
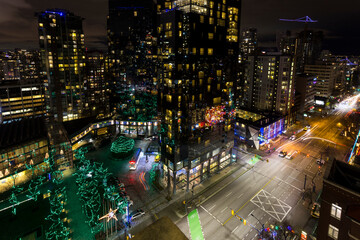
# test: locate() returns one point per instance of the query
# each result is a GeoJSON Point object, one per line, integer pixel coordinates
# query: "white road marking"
{"type": "Point", "coordinates": [283, 168]}
{"type": "Point", "coordinates": [234, 229]}
{"type": "Point", "coordinates": [289, 184]}
{"type": "Point", "coordinates": [251, 212]}
{"type": "Point", "coordinates": [212, 207]}
{"type": "Point", "coordinates": [211, 214]}
{"type": "Point", "coordinates": [228, 194]}
{"type": "Point", "coordinates": [223, 210]}
{"type": "Point", "coordinates": [240, 195]}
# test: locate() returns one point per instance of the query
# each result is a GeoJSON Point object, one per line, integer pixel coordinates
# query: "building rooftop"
{"type": "Point", "coordinates": [258, 119]}
{"type": "Point", "coordinates": [19, 132]}
{"type": "Point", "coordinates": [344, 174]}
{"type": "Point", "coordinates": [75, 126]}
{"type": "Point", "coordinates": [162, 229]}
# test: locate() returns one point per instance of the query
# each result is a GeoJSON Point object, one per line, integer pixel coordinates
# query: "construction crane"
{"type": "Point", "coordinates": [305, 20]}
{"type": "Point", "coordinates": [348, 62]}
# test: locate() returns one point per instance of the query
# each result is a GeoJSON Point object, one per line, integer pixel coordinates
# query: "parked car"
{"type": "Point", "coordinates": [320, 161]}
{"type": "Point", "coordinates": [315, 210]}
{"type": "Point", "coordinates": [136, 214]}
{"type": "Point", "coordinates": [282, 154]}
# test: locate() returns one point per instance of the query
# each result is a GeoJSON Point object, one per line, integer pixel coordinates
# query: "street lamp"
{"type": "Point", "coordinates": [262, 225]}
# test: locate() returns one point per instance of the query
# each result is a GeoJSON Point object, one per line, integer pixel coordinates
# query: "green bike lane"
{"type": "Point", "coordinates": [195, 225]}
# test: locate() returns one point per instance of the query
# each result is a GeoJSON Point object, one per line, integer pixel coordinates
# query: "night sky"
{"type": "Point", "coordinates": [339, 20]}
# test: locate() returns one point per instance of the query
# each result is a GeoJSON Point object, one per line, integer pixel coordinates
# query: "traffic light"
{"type": "Point", "coordinates": [276, 227]}
{"type": "Point", "coordinates": [244, 221]}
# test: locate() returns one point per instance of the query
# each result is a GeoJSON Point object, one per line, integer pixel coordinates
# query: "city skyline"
{"type": "Point", "coordinates": [22, 32]}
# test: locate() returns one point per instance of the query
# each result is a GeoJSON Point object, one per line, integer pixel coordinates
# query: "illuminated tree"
{"type": "Point", "coordinates": [58, 228]}
{"type": "Point", "coordinates": [122, 146]}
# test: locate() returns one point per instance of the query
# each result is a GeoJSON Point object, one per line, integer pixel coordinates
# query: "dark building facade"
{"type": "Point", "coordinates": [62, 49]}
{"type": "Point", "coordinates": [305, 86]}
{"type": "Point", "coordinates": [340, 203]}
{"type": "Point", "coordinates": [131, 30]}
{"type": "Point", "coordinates": [308, 48]}
{"type": "Point", "coordinates": [198, 51]}
{"type": "Point", "coordinates": [248, 43]}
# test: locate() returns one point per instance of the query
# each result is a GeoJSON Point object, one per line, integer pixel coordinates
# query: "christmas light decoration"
{"type": "Point", "coordinates": [122, 146]}
{"type": "Point", "coordinates": [110, 215]}
{"type": "Point", "coordinates": [58, 229]}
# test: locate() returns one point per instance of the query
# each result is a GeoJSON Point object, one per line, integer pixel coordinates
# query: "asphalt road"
{"type": "Point", "coordinates": [273, 191]}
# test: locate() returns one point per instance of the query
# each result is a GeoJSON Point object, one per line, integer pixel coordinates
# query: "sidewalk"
{"type": "Point", "coordinates": [175, 209]}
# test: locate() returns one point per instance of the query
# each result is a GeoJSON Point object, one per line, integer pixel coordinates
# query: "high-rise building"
{"type": "Point", "coordinates": [308, 48]}
{"type": "Point", "coordinates": [269, 83]}
{"type": "Point", "coordinates": [63, 57]}
{"type": "Point", "coordinates": [97, 85]}
{"type": "Point", "coordinates": [20, 99]}
{"type": "Point", "coordinates": [248, 43]}
{"type": "Point", "coordinates": [325, 78]}
{"type": "Point", "coordinates": [305, 86]}
{"type": "Point", "coordinates": [286, 43]}
{"type": "Point", "coordinates": [198, 51]}
{"type": "Point", "coordinates": [131, 28]}
{"type": "Point", "coordinates": [20, 65]}
{"type": "Point", "coordinates": [21, 87]}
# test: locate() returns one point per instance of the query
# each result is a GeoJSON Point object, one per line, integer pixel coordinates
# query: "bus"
{"type": "Point", "coordinates": [135, 159]}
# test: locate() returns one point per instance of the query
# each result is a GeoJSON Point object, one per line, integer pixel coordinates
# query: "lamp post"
{"type": "Point", "coordinates": [262, 225]}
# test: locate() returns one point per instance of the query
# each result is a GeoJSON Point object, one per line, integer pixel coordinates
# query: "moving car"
{"type": "Point", "coordinates": [282, 154]}
{"type": "Point", "coordinates": [292, 138]}
{"type": "Point", "coordinates": [305, 128]}
{"type": "Point", "coordinates": [291, 155]}
{"type": "Point", "coordinates": [137, 214]}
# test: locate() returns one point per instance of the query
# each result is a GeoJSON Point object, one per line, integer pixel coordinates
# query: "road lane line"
{"type": "Point", "coordinates": [289, 184]}
{"type": "Point", "coordinates": [234, 229]}
{"type": "Point", "coordinates": [211, 214]}
{"type": "Point", "coordinates": [229, 194]}
{"type": "Point", "coordinates": [223, 210]}
{"type": "Point", "coordinates": [240, 195]}
{"type": "Point", "coordinates": [217, 191]}
{"type": "Point", "coordinates": [249, 200]}
{"type": "Point", "coordinates": [212, 207]}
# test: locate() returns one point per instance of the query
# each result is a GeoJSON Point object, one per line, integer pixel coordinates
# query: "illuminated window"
{"type": "Point", "coordinates": [41, 25]}
{"type": "Point", "coordinates": [211, 36]}
{"type": "Point", "coordinates": [211, 4]}
{"type": "Point", "coordinates": [180, 33]}
{"type": "Point", "coordinates": [335, 211]}
{"type": "Point", "coordinates": [194, 50]}
{"type": "Point", "coordinates": [210, 51]}
{"type": "Point", "coordinates": [211, 20]}
{"type": "Point", "coordinates": [201, 51]}
{"type": "Point", "coordinates": [135, 13]}
{"type": "Point", "coordinates": [201, 18]}
{"type": "Point", "coordinates": [333, 232]}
